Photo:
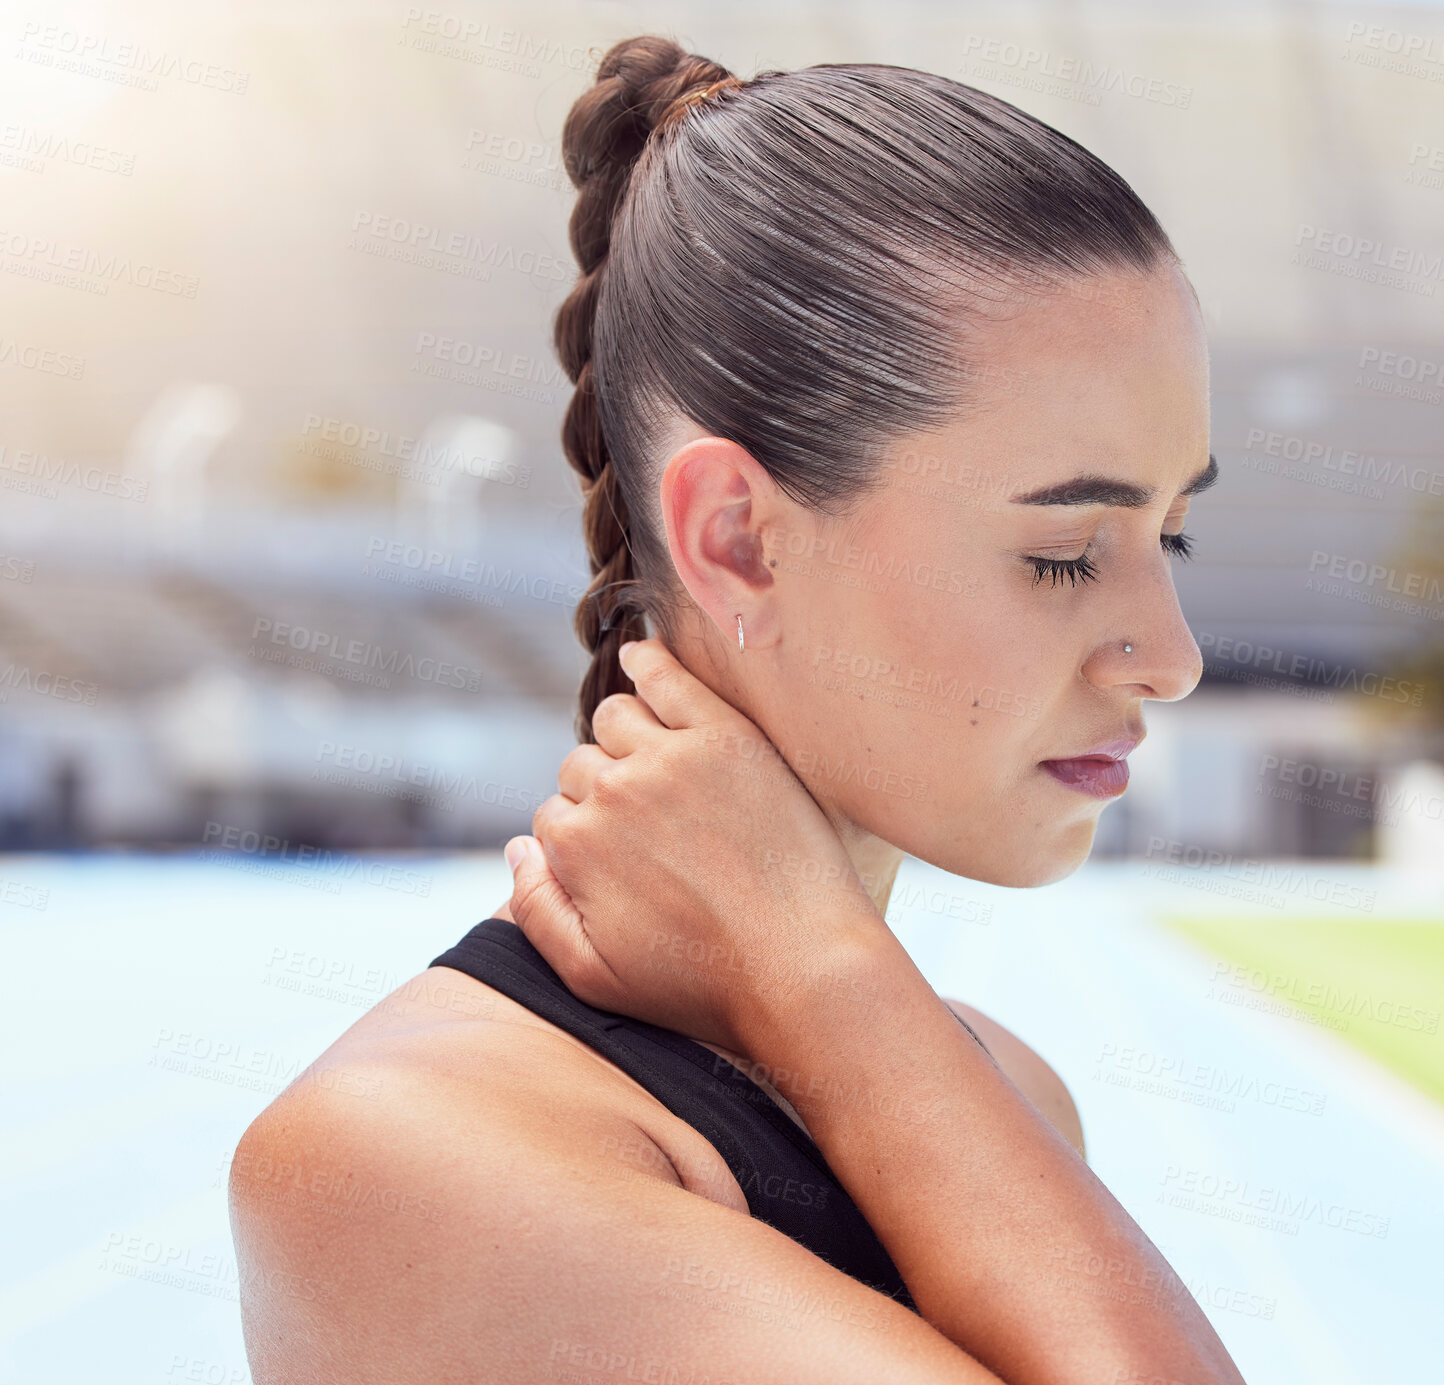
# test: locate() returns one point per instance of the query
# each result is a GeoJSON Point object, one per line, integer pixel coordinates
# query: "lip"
{"type": "Point", "coordinates": [1109, 750]}
{"type": "Point", "coordinates": [1101, 772]}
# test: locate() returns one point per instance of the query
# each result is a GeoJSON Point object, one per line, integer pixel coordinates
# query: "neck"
{"type": "Point", "coordinates": [875, 861]}
{"type": "Point", "coordinates": [698, 650]}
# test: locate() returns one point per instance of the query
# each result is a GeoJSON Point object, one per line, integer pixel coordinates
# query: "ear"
{"type": "Point", "coordinates": [717, 504]}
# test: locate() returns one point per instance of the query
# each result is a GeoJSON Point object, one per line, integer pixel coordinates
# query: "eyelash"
{"type": "Point", "coordinates": [1081, 569]}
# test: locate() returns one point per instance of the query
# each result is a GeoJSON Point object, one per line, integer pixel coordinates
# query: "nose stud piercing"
{"type": "Point", "coordinates": [1128, 649]}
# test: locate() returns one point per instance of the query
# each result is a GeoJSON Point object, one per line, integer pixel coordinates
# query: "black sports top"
{"type": "Point", "coordinates": [778, 1165]}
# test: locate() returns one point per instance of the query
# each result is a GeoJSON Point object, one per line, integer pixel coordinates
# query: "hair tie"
{"type": "Point", "coordinates": [621, 606]}
{"type": "Point", "coordinates": [698, 97]}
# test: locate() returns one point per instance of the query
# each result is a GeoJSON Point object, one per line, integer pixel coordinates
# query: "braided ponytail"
{"type": "Point", "coordinates": [642, 84]}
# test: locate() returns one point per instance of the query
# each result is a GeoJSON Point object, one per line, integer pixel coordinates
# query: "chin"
{"type": "Point", "coordinates": [1059, 858]}
{"type": "Point", "coordinates": [1026, 864]}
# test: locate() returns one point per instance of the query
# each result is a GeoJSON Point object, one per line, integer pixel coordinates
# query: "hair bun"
{"type": "Point", "coordinates": [639, 81]}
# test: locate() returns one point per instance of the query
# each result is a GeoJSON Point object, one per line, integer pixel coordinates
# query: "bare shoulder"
{"type": "Point", "coordinates": [448, 1062]}
{"type": "Point", "coordinates": [445, 1197]}
{"type": "Point", "coordinates": [1029, 1072]}
{"type": "Point", "coordinates": [399, 1161]}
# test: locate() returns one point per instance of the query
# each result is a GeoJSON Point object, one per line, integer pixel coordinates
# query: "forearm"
{"type": "Point", "coordinates": [1008, 1242]}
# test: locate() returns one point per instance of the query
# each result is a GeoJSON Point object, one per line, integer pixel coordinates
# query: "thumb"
{"type": "Point", "coordinates": [551, 922]}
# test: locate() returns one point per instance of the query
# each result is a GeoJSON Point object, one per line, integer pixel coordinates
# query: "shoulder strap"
{"type": "Point", "coordinates": [781, 1170]}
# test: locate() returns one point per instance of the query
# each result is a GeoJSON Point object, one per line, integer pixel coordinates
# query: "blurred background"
{"type": "Point", "coordinates": [289, 554]}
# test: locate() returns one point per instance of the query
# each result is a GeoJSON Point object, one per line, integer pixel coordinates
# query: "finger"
{"type": "Point", "coordinates": [550, 811]}
{"type": "Point", "coordinates": [674, 694]}
{"type": "Point", "coordinates": [579, 770]}
{"type": "Point", "coordinates": [623, 723]}
{"type": "Point", "coordinates": [545, 913]}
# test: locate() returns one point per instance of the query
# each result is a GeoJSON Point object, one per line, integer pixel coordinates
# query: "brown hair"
{"type": "Point", "coordinates": [785, 261]}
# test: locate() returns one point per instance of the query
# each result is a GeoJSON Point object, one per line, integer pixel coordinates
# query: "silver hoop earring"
{"type": "Point", "coordinates": [740, 644]}
{"type": "Point", "coordinates": [1128, 649]}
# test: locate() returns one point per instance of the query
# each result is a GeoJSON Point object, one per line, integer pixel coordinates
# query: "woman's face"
{"type": "Point", "coordinates": [928, 686]}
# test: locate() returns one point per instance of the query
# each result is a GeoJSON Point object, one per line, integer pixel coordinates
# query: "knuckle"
{"type": "Point", "coordinates": [544, 820]}
{"type": "Point", "coordinates": [570, 761]}
{"type": "Point", "coordinates": [564, 841]}
{"type": "Point", "coordinates": [612, 707]}
{"type": "Point", "coordinates": [555, 828]}
{"type": "Point", "coordinates": [578, 767]}
{"type": "Point", "coordinates": [609, 785]}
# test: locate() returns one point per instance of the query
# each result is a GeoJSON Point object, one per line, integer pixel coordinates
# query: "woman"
{"type": "Point", "coordinates": [889, 402]}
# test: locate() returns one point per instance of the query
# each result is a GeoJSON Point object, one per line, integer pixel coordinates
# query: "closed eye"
{"type": "Point", "coordinates": [1083, 569]}
{"type": "Point", "coordinates": [1180, 545]}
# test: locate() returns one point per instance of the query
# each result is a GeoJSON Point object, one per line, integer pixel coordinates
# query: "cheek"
{"type": "Point", "coordinates": [915, 694]}
{"type": "Point", "coordinates": [893, 740]}
{"type": "Point", "coordinates": [967, 798]}
{"type": "Point", "coordinates": [982, 685]}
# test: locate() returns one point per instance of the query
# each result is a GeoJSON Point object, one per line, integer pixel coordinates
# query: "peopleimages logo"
{"type": "Point", "coordinates": [461, 252]}
{"type": "Point", "coordinates": [436, 784]}
{"type": "Point", "coordinates": [1389, 800]}
{"type": "Point", "coordinates": [1423, 585]}
{"type": "Point", "coordinates": [855, 671]}
{"type": "Point", "coordinates": [837, 772]}
{"type": "Point", "coordinates": [436, 564]}
{"type": "Point", "coordinates": [132, 64]}
{"type": "Point", "coordinates": [1063, 74]}
{"type": "Point", "coordinates": [323, 864]}
{"type": "Point", "coordinates": [479, 40]}
{"type": "Point", "coordinates": [1269, 875]}
{"type": "Point", "coordinates": [40, 257]}
{"type": "Point", "coordinates": [23, 146]}
{"type": "Point", "coordinates": [818, 553]}
{"type": "Point", "coordinates": [1224, 650]}
{"type": "Point", "coordinates": [42, 358]}
{"type": "Point", "coordinates": [324, 645]}
{"type": "Point", "coordinates": [1289, 1204]}
{"type": "Point", "coordinates": [375, 441]}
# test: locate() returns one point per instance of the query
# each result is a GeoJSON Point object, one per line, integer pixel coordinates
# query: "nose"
{"type": "Point", "coordinates": [1165, 663]}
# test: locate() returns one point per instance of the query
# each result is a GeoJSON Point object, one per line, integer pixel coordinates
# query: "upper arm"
{"type": "Point", "coordinates": [1029, 1073]}
{"type": "Point", "coordinates": [452, 1235]}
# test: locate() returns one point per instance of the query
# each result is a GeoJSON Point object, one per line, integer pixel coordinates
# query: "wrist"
{"type": "Point", "coordinates": [852, 975]}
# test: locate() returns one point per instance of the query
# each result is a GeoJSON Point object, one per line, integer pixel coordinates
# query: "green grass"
{"type": "Point", "coordinates": [1375, 983]}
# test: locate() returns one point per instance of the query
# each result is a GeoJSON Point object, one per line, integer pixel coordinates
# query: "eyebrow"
{"type": "Point", "coordinates": [1091, 489]}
